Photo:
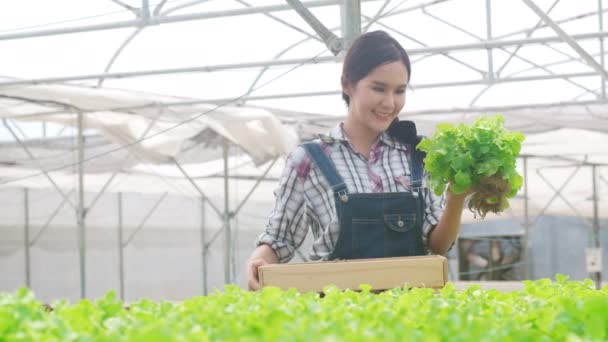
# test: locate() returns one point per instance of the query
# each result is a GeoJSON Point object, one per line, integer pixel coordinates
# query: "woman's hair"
{"type": "Point", "coordinates": [369, 51]}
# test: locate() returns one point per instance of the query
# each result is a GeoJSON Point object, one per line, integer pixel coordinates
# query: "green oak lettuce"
{"type": "Point", "coordinates": [543, 310]}
{"type": "Point", "coordinates": [481, 156]}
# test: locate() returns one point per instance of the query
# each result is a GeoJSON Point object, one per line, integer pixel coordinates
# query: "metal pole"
{"type": "Point", "coordinates": [145, 219]}
{"type": "Point", "coordinates": [333, 42]}
{"type": "Point", "coordinates": [196, 187]}
{"type": "Point", "coordinates": [48, 221]}
{"type": "Point", "coordinates": [600, 16]}
{"type": "Point", "coordinates": [321, 59]}
{"type": "Point", "coordinates": [158, 20]}
{"type": "Point", "coordinates": [526, 243]}
{"type": "Point", "coordinates": [350, 11]}
{"type": "Point", "coordinates": [26, 238]}
{"type": "Point", "coordinates": [155, 72]}
{"type": "Point", "coordinates": [121, 260]}
{"type": "Point", "coordinates": [203, 247]}
{"type": "Point", "coordinates": [570, 40]}
{"type": "Point", "coordinates": [596, 224]}
{"type": "Point", "coordinates": [37, 161]}
{"type": "Point", "coordinates": [485, 109]}
{"type": "Point", "coordinates": [145, 11]}
{"type": "Point", "coordinates": [227, 235]}
{"type": "Point", "coordinates": [258, 181]}
{"type": "Point", "coordinates": [489, 37]}
{"type": "Point", "coordinates": [81, 211]}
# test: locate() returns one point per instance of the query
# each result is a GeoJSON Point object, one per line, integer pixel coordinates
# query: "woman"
{"type": "Point", "coordinates": [361, 187]}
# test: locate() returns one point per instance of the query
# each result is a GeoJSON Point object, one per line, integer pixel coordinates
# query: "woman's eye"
{"type": "Point", "coordinates": [400, 91]}
{"type": "Point", "coordinates": [381, 90]}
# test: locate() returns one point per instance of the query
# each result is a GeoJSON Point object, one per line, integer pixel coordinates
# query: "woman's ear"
{"type": "Point", "coordinates": [346, 87]}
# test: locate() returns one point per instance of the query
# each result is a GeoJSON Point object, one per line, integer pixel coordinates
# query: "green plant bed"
{"type": "Point", "coordinates": [544, 310]}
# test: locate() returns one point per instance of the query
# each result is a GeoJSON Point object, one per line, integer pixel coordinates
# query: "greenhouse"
{"type": "Point", "coordinates": [142, 141]}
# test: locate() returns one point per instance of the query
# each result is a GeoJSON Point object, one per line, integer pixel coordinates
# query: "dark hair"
{"type": "Point", "coordinates": [369, 51]}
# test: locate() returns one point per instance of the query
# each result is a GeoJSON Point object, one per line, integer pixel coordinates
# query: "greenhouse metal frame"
{"type": "Point", "coordinates": [352, 22]}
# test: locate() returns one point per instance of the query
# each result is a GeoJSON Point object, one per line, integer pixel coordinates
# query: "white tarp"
{"type": "Point", "coordinates": [168, 131]}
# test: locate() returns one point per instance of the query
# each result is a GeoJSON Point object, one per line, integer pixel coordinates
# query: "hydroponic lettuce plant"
{"type": "Point", "coordinates": [481, 156]}
{"type": "Point", "coordinates": [543, 310]}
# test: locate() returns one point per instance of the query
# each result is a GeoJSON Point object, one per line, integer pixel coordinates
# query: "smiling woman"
{"type": "Point", "coordinates": [375, 74]}
{"type": "Point", "coordinates": [362, 187]}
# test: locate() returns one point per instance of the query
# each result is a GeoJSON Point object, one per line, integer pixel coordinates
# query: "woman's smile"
{"type": "Point", "coordinates": [384, 116]}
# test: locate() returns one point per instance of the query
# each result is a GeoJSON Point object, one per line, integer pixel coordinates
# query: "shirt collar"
{"type": "Point", "coordinates": [336, 134]}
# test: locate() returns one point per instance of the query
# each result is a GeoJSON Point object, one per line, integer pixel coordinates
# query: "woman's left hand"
{"type": "Point", "coordinates": [460, 197]}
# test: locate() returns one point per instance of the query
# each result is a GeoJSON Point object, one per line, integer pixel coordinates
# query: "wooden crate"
{"type": "Point", "coordinates": [382, 274]}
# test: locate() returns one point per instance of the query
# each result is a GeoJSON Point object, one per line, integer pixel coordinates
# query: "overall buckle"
{"type": "Point", "coordinates": [343, 194]}
{"type": "Point", "coordinates": [416, 188]}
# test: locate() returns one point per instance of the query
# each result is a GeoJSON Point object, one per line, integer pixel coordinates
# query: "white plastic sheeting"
{"type": "Point", "coordinates": [154, 134]}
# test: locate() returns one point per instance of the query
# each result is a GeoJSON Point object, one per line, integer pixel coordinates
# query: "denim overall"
{"type": "Point", "coordinates": [375, 225]}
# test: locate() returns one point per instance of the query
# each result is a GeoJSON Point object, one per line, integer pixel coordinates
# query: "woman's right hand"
{"type": "Point", "coordinates": [263, 255]}
{"type": "Point", "coordinates": [253, 277]}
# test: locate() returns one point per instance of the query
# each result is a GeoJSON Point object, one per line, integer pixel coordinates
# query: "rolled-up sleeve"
{"type": "Point", "coordinates": [287, 224]}
{"type": "Point", "coordinates": [434, 206]}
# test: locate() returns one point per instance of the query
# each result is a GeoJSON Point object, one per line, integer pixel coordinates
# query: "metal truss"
{"type": "Point", "coordinates": [489, 74]}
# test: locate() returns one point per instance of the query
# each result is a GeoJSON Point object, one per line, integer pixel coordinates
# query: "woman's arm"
{"type": "Point", "coordinates": [447, 229]}
{"type": "Point", "coordinates": [287, 225]}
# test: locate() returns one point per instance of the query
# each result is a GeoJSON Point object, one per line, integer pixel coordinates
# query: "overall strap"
{"type": "Point", "coordinates": [326, 166]}
{"type": "Point", "coordinates": [417, 170]}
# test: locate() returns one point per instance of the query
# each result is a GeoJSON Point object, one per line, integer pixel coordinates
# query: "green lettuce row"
{"type": "Point", "coordinates": [544, 310]}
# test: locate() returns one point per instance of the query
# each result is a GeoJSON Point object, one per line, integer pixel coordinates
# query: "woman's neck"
{"type": "Point", "coordinates": [359, 138]}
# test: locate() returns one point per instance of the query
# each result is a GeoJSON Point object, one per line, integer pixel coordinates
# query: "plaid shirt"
{"type": "Point", "coordinates": [304, 198]}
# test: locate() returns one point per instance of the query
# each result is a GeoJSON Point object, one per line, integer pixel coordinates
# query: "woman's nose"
{"type": "Point", "coordinates": [388, 102]}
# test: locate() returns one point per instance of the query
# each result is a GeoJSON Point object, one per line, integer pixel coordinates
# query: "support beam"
{"type": "Point", "coordinates": [49, 220]}
{"type": "Point", "coordinates": [495, 109]}
{"type": "Point", "coordinates": [227, 218]}
{"type": "Point", "coordinates": [126, 6]}
{"type": "Point", "coordinates": [138, 31]}
{"type": "Point", "coordinates": [528, 34]}
{"type": "Point", "coordinates": [121, 250]}
{"type": "Point", "coordinates": [32, 157]}
{"type": "Point", "coordinates": [284, 22]}
{"type": "Point", "coordinates": [596, 224]}
{"type": "Point", "coordinates": [526, 255]}
{"type": "Point", "coordinates": [166, 20]}
{"type": "Point", "coordinates": [204, 248]}
{"type": "Point", "coordinates": [424, 45]}
{"type": "Point", "coordinates": [333, 42]}
{"type": "Point", "coordinates": [221, 67]}
{"type": "Point", "coordinates": [197, 188]}
{"type": "Point", "coordinates": [350, 11]}
{"type": "Point", "coordinates": [490, 74]}
{"type": "Point", "coordinates": [557, 193]}
{"type": "Point", "coordinates": [413, 86]}
{"type": "Point", "coordinates": [81, 210]}
{"type": "Point", "coordinates": [447, 110]}
{"type": "Point", "coordinates": [125, 160]}
{"type": "Point", "coordinates": [26, 237]}
{"type": "Point", "coordinates": [600, 18]}
{"type": "Point", "coordinates": [568, 39]}
{"type": "Point", "coordinates": [145, 11]}
{"type": "Point", "coordinates": [257, 183]}
{"type": "Point", "coordinates": [173, 71]}
{"type": "Point", "coordinates": [145, 219]}
{"type": "Point", "coordinates": [376, 17]}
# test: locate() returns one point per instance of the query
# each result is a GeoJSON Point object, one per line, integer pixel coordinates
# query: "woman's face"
{"type": "Point", "coordinates": [377, 98]}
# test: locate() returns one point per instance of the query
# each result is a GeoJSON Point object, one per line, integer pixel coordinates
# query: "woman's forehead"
{"type": "Point", "coordinates": [394, 73]}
